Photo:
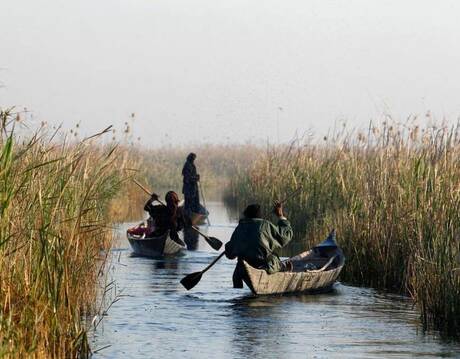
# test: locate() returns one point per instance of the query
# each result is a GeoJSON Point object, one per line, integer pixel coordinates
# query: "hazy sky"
{"type": "Point", "coordinates": [212, 70]}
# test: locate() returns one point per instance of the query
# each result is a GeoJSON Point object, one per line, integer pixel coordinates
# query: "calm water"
{"type": "Point", "coordinates": [156, 318]}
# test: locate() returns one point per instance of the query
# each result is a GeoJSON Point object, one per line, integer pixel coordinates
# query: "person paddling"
{"type": "Point", "coordinates": [164, 218]}
{"type": "Point", "coordinates": [190, 186]}
{"type": "Point", "coordinates": [255, 240]}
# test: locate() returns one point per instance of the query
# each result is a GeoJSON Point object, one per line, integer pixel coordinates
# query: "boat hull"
{"type": "Point", "coordinates": [312, 271]}
{"type": "Point", "coordinates": [155, 246]}
{"type": "Point", "coordinates": [262, 283]}
{"type": "Point", "coordinates": [199, 218]}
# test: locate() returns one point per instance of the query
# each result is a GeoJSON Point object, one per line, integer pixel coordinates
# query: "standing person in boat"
{"type": "Point", "coordinates": [190, 186]}
{"type": "Point", "coordinates": [165, 218]}
{"type": "Point", "coordinates": [255, 240]}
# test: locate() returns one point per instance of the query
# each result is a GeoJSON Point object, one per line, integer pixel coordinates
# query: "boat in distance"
{"type": "Point", "coordinates": [154, 246]}
{"type": "Point", "coordinates": [199, 218]}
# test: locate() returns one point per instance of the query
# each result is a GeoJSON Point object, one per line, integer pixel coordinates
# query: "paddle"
{"type": "Point", "coordinates": [214, 242]}
{"type": "Point", "coordinates": [147, 191]}
{"type": "Point", "coordinates": [290, 195]}
{"type": "Point", "coordinates": [191, 280]}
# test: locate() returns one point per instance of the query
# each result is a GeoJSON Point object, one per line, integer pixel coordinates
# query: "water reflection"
{"type": "Point", "coordinates": [256, 324]}
{"type": "Point", "coordinates": [164, 264]}
{"type": "Point", "coordinates": [191, 239]}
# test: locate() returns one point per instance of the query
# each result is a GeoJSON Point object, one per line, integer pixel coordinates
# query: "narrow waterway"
{"type": "Point", "coordinates": [155, 317]}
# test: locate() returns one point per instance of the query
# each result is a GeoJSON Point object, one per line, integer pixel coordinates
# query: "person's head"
{"type": "Point", "coordinates": [252, 211]}
{"type": "Point", "coordinates": [191, 157]}
{"type": "Point", "coordinates": [172, 199]}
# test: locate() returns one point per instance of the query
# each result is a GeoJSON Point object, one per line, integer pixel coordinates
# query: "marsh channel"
{"type": "Point", "coordinates": [155, 317]}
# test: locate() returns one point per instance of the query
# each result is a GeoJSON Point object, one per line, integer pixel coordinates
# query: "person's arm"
{"type": "Point", "coordinates": [230, 247]}
{"type": "Point", "coordinates": [189, 173]}
{"type": "Point", "coordinates": [285, 232]}
{"type": "Point", "coordinates": [282, 233]}
{"type": "Point", "coordinates": [148, 207]}
{"type": "Point", "coordinates": [195, 177]}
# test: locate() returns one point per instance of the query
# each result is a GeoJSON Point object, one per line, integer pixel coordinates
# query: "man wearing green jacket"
{"type": "Point", "coordinates": [255, 240]}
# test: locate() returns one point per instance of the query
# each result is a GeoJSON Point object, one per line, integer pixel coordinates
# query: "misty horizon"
{"type": "Point", "coordinates": [228, 72]}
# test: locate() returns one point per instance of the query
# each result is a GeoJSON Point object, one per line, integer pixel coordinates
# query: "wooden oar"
{"type": "Point", "coordinates": [148, 192]}
{"type": "Point", "coordinates": [292, 194]}
{"type": "Point", "coordinates": [214, 242]}
{"type": "Point", "coordinates": [191, 280]}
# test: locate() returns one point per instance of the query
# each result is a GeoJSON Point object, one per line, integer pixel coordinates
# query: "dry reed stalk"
{"type": "Point", "coordinates": [394, 197]}
{"type": "Point", "coordinates": [54, 198]}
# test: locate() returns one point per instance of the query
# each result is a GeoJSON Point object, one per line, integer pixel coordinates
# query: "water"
{"type": "Point", "coordinates": [156, 318]}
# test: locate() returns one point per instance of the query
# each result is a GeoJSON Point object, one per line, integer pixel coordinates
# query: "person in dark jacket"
{"type": "Point", "coordinates": [256, 241]}
{"type": "Point", "coordinates": [190, 186]}
{"type": "Point", "coordinates": [167, 218]}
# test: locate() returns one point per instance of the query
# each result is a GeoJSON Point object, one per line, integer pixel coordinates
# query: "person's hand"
{"type": "Point", "coordinates": [154, 197]}
{"type": "Point", "coordinates": [278, 209]}
{"type": "Point", "coordinates": [228, 254]}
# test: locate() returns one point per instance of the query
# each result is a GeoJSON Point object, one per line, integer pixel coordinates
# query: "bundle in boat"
{"type": "Point", "coordinates": [313, 271]}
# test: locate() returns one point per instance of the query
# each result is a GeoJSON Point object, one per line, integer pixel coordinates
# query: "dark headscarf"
{"type": "Point", "coordinates": [172, 202]}
{"type": "Point", "coordinates": [252, 211]}
{"type": "Point", "coordinates": [191, 157]}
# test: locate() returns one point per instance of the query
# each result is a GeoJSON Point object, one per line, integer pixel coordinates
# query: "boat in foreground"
{"type": "Point", "coordinates": [154, 246]}
{"type": "Point", "coordinates": [312, 271]}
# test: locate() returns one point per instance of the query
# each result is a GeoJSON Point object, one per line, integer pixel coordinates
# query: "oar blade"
{"type": "Point", "coordinates": [214, 243]}
{"type": "Point", "coordinates": [191, 280]}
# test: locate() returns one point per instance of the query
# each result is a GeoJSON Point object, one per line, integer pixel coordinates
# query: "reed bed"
{"type": "Point", "coordinates": [393, 194]}
{"type": "Point", "coordinates": [54, 198]}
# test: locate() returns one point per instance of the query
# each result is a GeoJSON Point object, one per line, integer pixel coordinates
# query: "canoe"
{"type": "Point", "coordinates": [154, 246]}
{"type": "Point", "coordinates": [199, 218]}
{"type": "Point", "coordinates": [313, 271]}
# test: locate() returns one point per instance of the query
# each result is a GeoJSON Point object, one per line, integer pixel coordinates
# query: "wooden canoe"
{"type": "Point", "coordinates": [199, 218]}
{"type": "Point", "coordinates": [154, 246]}
{"type": "Point", "coordinates": [313, 271]}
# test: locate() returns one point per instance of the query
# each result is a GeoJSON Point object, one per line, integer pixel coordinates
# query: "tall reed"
{"type": "Point", "coordinates": [392, 193]}
{"type": "Point", "coordinates": [54, 196]}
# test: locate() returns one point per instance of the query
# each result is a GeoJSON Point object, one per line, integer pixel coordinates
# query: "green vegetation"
{"type": "Point", "coordinates": [393, 194]}
{"type": "Point", "coordinates": [54, 200]}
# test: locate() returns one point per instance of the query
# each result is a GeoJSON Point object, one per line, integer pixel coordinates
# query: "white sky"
{"type": "Point", "coordinates": [212, 70]}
